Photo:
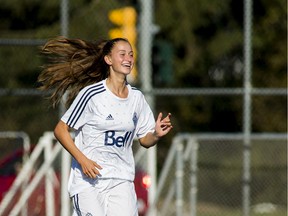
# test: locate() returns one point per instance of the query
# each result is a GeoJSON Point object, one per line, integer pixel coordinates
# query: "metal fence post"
{"type": "Point", "coordinates": [247, 106]}
{"type": "Point", "coordinates": [179, 178]}
{"type": "Point", "coordinates": [145, 70]}
{"type": "Point", "coordinates": [49, 192]}
{"type": "Point", "coordinates": [193, 176]}
{"type": "Point", "coordinates": [65, 157]}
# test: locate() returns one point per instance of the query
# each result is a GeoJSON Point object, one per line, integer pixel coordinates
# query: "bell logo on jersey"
{"type": "Point", "coordinates": [118, 141]}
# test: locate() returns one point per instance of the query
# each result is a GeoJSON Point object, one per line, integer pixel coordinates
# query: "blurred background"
{"type": "Point", "coordinates": [220, 68]}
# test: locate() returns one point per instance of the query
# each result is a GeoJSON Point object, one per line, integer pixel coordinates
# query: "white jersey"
{"type": "Point", "coordinates": [105, 128]}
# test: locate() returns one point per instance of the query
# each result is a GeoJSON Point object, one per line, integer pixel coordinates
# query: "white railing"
{"type": "Point", "coordinates": [26, 148]}
{"type": "Point", "coordinates": [178, 153]}
{"type": "Point", "coordinates": [46, 144]}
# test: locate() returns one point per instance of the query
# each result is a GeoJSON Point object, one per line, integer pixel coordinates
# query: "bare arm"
{"type": "Point", "coordinates": [89, 167]}
{"type": "Point", "coordinates": [162, 127]}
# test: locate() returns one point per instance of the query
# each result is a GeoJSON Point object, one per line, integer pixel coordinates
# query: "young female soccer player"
{"type": "Point", "coordinates": [106, 114]}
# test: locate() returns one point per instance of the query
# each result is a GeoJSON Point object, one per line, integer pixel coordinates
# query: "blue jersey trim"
{"type": "Point", "coordinates": [76, 204]}
{"type": "Point", "coordinates": [79, 108]}
{"type": "Point", "coordinates": [134, 88]}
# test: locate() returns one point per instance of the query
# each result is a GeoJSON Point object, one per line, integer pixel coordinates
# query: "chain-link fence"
{"type": "Point", "coordinates": [203, 175]}
{"type": "Point", "coordinates": [203, 92]}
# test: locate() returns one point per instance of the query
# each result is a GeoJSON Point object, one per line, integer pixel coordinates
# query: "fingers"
{"type": "Point", "coordinates": [159, 117]}
{"type": "Point", "coordinates": [166, 121]}
{"type": "Point", "coordinates": [97, 166]}
{"type": "Point", "coordinates": [92, 173]}
{"type": "Point", "coordinates": [164, 124]}
{"type": "Point", "coordinates": [92, 170]}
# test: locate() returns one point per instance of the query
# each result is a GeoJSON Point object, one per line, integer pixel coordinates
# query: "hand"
{"type": "Point", "coordinates": [163, 126]}
{"type": "Point", "coordinates": [90, 168]}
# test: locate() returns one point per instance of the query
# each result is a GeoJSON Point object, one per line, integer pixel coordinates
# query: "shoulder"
{"type": "Point", "coordinates": [93, 89]}
{"type": "Point", "coordinates": [137, 93]}
{"type": "Point", "coordinates": [136, 90]}
{"type": "Point", "coordinates": [89, 92]}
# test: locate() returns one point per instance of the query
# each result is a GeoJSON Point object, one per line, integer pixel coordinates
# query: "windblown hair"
{"type": "Point", "coordinates": [73, 64]}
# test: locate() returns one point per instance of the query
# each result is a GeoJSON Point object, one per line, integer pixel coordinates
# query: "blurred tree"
{"type": "Point", "coordinates": [162, 57]}
{"type": "Point", "coordinates": [209, 53]}
{"type": "Point", "coordinates": [16, 16]}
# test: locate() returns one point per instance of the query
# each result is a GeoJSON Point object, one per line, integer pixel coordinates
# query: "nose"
{"type": "Point", "coordinates": [129, 58]}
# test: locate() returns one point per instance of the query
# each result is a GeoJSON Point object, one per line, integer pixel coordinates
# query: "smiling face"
{"type": "Point", "coordinates": [120, 59]}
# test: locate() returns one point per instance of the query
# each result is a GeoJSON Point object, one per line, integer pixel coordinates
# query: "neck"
{"type": "Point", "coordinates": [117, 87]}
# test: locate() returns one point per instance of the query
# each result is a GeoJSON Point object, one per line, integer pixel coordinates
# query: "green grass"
{"type": "Point", "coordinates": [224, 211]}
{"type": "Point", "coordinates": [208, 209]}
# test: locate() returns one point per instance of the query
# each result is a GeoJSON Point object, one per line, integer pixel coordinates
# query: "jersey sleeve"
{"type": "Point", "coordinates": [146, 121]}
{"type": "Point", "coordinates": [80, 111]}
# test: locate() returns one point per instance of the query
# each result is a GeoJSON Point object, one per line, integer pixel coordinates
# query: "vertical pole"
{"type": "Point", "coordinates": [179, 178]}
{"type": "Point", "coordinates": [26, 147]}
{"type": "Point", "coordinates": [193, 177]}
{"type": "Point", "coordinates": [49, 192]}
{"type": "Point", "coordinates": [64, 17]}
{"type": "Point", "coordinates": [145, 70]}
{"type": "Point", "coordinates": [65, 157]}
{"type": "Point", "coordinates": [145, 49]}
{"type": "Point", "coordinates": [247, 107]}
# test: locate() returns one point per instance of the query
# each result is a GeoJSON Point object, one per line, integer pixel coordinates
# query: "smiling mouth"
{"type": "Point", "coordinates": [127, 65]}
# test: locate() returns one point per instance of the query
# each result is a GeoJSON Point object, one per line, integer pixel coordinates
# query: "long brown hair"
{"type": "Point", "coordinates": [73, 64]}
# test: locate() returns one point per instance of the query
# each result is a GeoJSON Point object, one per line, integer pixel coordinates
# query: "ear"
{"type": "Point", "coordinates": [108, 60]}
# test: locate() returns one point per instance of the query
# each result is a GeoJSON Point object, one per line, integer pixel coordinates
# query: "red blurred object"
{"type": "Point", "coordinates": [146, 181]}
{"type": "Point", "coordinates": [142, 182]}
{"type": "Point", "coordinates": [8, 168]}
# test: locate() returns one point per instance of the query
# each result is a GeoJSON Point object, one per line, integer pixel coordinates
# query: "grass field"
{"type": "Point", "coordinates": [216, 210]}
{"type": "Point", "coordinates": [261, 210]}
